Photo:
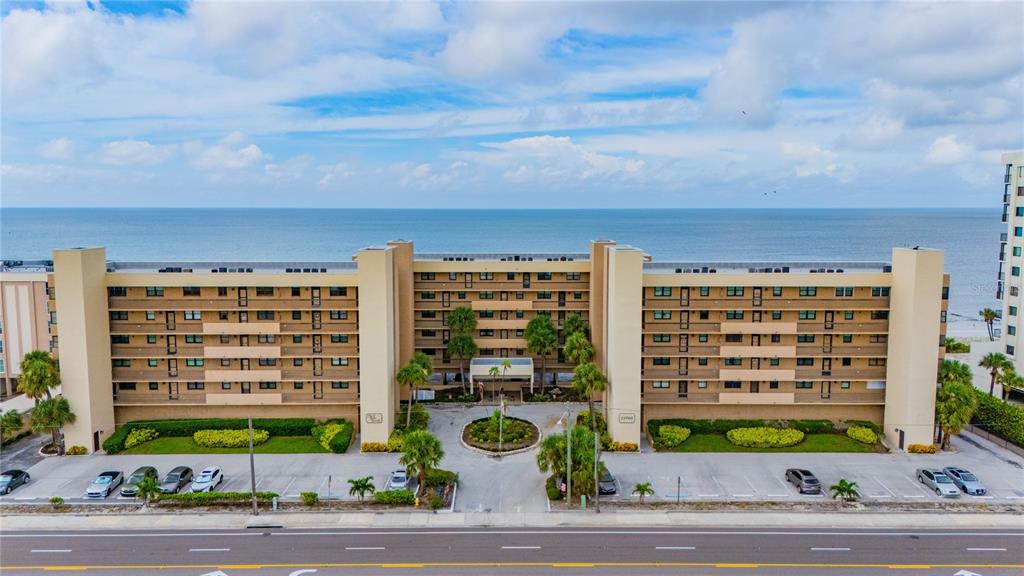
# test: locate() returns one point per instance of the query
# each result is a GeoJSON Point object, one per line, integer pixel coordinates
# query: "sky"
{"type": "Point", "coordinates": [514, 104]}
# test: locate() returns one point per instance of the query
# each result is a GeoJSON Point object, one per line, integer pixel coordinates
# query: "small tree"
{"type": "Point", "coordinates": [578, 348]}
{"type": "Point", "coordinates": [587, 380]}
{"type": "Point", "coordinates": [39, 374]}
{"type": "Point", "coordinates": [954, 371]}
{"type": "Point", "coordinates": [552, 452]}
{"type": "Point", "coordinates": [995, 362]}
{"type": "Point", "coordinates": [1010, 380]}
{"type": "Point", "coordinates": [147, 489]}
{"type": "Point", "coordinates": [575, 324]}
{"type": "Point", "coordinates": [51, 415]}
{"type": "Point", "coordinates": [989, 316]}
{"type": "Point", "coordinates": [461, 320]}
{"type": "Point", "coordinates": [423, 453]}
{"type": "Point", "coordinates": [845, 490]}
{"type": "Point", "coordinates": [541, 339]}
{"type": "Point", "coordinates": [462, 347]}
{"type": "Point", "coordinates": [955, 404]}
{"type": "Point", "coordinates": [10, 424]}
{"type": "Point", "coordinates": [360, 487]}
{"type": "Point", "coordinates": [412, 375]}
{"type": "Point", "coordinates": [643, 489]}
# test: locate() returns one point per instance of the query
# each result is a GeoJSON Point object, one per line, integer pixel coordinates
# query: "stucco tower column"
{"type": "Point", "coordinates": [377, 343]}
{"type": "Point", "coordinates": [83, 321]}
{"type": "Point", "coordinates": [623, 326]}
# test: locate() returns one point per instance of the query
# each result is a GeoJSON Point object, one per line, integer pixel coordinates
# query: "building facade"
{"type": "Point", "coordinates": [1011, 260]}
{"type": "Point", "coordinates": [24, 318]}
{"type": "Point", "coordinates": [698, 340]}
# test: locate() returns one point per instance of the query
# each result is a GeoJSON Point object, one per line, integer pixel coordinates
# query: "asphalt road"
{"type": "Point", "coordinates": [572, 551]}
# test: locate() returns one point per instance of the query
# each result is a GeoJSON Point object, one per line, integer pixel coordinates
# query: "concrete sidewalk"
{"type": "Point", "coordinates": [404, 520]}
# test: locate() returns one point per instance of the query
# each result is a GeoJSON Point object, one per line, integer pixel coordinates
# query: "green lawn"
{"type": "Point", "coordinates": [185, 445]}
{"type": "Point", "coordinates": [811, 443]}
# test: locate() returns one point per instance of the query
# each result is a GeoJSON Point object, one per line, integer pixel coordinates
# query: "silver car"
{"type": "Point", "coordinates": [939, 482]}
{"type": "Point", "coordinates": [104, 484]}
{"type": "Point", "coordinates": [965, 481]}
{"type": "Point", "coordinates": [207, 480]}
{"type": "Point", "coordinates": [399, 480]}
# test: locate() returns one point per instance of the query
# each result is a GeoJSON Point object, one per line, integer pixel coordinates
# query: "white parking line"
{"type": "Point", "coordinates": [364, 548]}
{"type": "Point", "coordinates": [986, 549]}
{"type": "Point", "coordinates": [209, 549]}
{"type": "Point", "coordinates": [49, 551]}
{"type": "Point", "coordinates": [721, 489]}
{"type": "Point", "coordinates": [890, 494]}
{"type": "Point", "coordinates": [915, 484]}
{"type": "Point", "coordinates": [520, 547]}
{"type": "Point", "coordinates": [285, 491]}
{"type": "Point", "coordinates": [830, 549]}
{"type": "Point", "coordinates": [674, 548]}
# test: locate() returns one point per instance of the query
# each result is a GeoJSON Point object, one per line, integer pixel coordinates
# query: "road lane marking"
{"type": "Point", "coordinates": [209, 549]}
{"type": "Point", "coordinates": [49, 551]}
{"type": "Point", "coordinates": [674, 548]}
{"type": "Point", "coordinates": [987, 549]}
{"type": "Point", "coordinates": [830, 549]}
{"type": "Point", "coordinates": [520, 547]}
{"type": "Point", "coordinates": [364, 548]}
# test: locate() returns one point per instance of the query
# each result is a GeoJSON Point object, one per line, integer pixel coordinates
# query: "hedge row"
{"type": "Point", "coordinates": [334, 435]}
{"type": "Point", "coordinates": [1000, 418]}
{"type": "Point", "coordinates": [763, 437]}
{"type": "Point", "coordinates": [185, 428]}
{"type": "Point", "coordinates": [213, 498]}
{"type": "Point", "coordinates": [229, 438]}
{"type": "Point", "coordinates": [723, 426]}
{"type": "Point", "coordinates": [394, 498]}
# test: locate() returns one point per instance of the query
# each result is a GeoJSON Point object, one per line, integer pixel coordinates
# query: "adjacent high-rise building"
{"type": "Point", "coordinates": [1011, 258]}
{"type": "Point", "coordinates": [773, 340]}
{"type": "Point", "coordinates": [24, 318]}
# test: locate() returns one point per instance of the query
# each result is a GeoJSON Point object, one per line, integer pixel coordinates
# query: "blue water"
{"type": "Point", "coordinates": [969, 236]}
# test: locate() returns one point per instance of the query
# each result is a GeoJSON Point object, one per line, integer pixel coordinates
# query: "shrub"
{"type": "Point", "coordinates": [705, 426]}
{"type": "Point", "coordinates": [921, 448]}
{"type": "Point", "coordinates": [861, 434]}
{"type": "Point", "coordinates": [812, 426]}
{"type": "Point", "coordinates": [670, 435]}
{"type": "Point", "coordinates": [310, 498]}
{"type": "Point", "coordinates": [213, 498]}
{"type": "Point", "coordinates": [435, 502]}
{"type": "Point", "coordinates": [394, 498]}
{"type": "Point", "coordinates": [57, 502]}
{"type": "Point", "coordinates": [334, 435]}
{"type": "Point", "coordinates": [396, 441]}
{"type": "Point", "coordinates": [76, 451]}
{"type": "Point", "coordinates": [185, 428]}
{"type": "Point", "coordinates": [140, 436]}
{"type": "Point", "coordinates": [229, 438]}
{"type": "Point", "coordinates": [512, 431]}
{"type": "Point", "coordinates": [865, 424]}
{"type": "Point", "coordinates": [373, 447]}
{"type": "Point", "coordinates": [624, 447]}
{"type": "Point", "coordinates": [418, 420]}
{"type": "Point", "coordinates": [439, 477]}
{"type": "Point", "coordinates": [552, 488]}
{"type": "Point", "coordinates": [1000, 418]}
{"type": "Point", "coordinates": [765, 437]}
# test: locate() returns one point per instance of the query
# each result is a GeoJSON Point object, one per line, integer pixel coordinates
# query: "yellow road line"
{"type": "Point", "coordinates": [509, 564]}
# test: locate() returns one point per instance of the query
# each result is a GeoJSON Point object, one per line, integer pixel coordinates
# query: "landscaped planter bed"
{"type": "Point", "coordinates": [516, 434]}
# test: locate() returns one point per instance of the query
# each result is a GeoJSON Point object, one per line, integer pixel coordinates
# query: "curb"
{"type": "Point", "coordinates": [462, 440]}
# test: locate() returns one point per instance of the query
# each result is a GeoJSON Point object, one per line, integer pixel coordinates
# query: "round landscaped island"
{"type": "Point", "coordinates": [516, 435]}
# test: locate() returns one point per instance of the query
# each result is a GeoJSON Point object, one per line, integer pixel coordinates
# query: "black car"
{"type": "Point", "coordinates": [175, 479]}
{"type": "Point", "coordinates": [607, 483]}
{"type": "Point", "coordinates": [11, 479]}
{"type": "Point", "coordinates": [804, 480]}
{"type": "Point", "coordinates": [131, 486]}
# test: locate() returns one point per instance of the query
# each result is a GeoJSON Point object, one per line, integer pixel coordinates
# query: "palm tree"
{"type": "Point", "coordinates": [954, 371]}
{"type": "Point", "coordinates": [412, 375]}
{"type": "Point", "coordinates": [39, 374]}
{"type": "Point", "coordinates": [578, 348]}
{"type": "Point", "coordinates": [461, 320]}
{"type": "Point", "coordinates": [423, 453]}
{"type": "Point", "coordinates": [643, 489]}
{"type": "Point", "coordinates": [360, 487]}
{"type": "Point", "coordinates": [845, 490]}
{"type": "Point", "coordinates": [575, 324]}
{"type": "Point", "coordinates": [541, 339]}
{"type": "Point", "coordinates": [551, 458]}
{"type": "Point", "coordinates": [147, 489]}
{"type": "Point", "coordinates": [955, 404]}
{"type": "Point", "coordinates": [51, 415]}
{"type": "Point", "coordinates": [10, 423]}
{"type": "Point", "coordinates": [1010, 380]}
{"type": "Point", "coordinates": [551, 454]}
{"type": "Point", "coordinates": [587, 380]}
{"type": "Point", "coordinates": [462, 347]}
{"type": "Point", "coordinates": [423, 361]}
{"type": "Point", "coordinates": [989, 316]}
{"type": "Point", "coordinates": [995, 362]}
{"type": "Point", "coordinates": [493, 372]}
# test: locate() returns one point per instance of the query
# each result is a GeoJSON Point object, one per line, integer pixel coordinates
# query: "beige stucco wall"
{"type": "Point", "coordinates": [623, 325]}
{"type": "Point", "coordinates": [25, 318]}
{"type": "Point", "coordinates": [599, 300]}
{"type": "Point", "coordinates": [402, 259]}
{"type": "Point", "coordinates": [80, 282]}
{"type": "Point", "coordinates": [377, 343]}
{"type": "Point", "coordinates": [913, 353]}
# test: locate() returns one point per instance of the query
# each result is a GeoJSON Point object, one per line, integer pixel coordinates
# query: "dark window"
{"type": "Point", "coordinates": [190, 291]}
{"type": "Point", "coordinates": [338, 291]}
{"type": "Point", "coordinates": [126, 385]}
{"type": "Point", "coordinates": [264, 291]}
{"type": "Point", "coordinates": [117, 291]}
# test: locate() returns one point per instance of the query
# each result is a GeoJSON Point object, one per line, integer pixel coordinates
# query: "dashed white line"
{"type": "Point", "coordinates": [830, 549]}
{"type": "Point", "coordinates": [520, 547]}
{"type": "Point", "coordinates": [364, 548]}
{"type": "Point", "coordinates": [674, 548]}
{"type": "Point", "coordinates": [986, 549]}
{"type": "Point", "coordinates": [49, 551]}
{"type": "Point", "coordinates": [209, 549]}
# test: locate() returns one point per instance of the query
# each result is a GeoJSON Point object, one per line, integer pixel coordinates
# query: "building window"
{"type": "Point", "coordinates": [336, 361]}
{"type": "Point", "coordinates": [190, 291]}
{"type": "Point", "coordinates": [193, 362]}
{"type": "Point", "coordinates": [296, 361]}
{"type": "Point", "coordinates": [773, 361]}
{"type": "Point", "coordinates": [733, 361]}
{"type": "Point", "coordinates": [705, 291]}
{"type": "Point", "coordinates": [196, 386]}
{"type": "Point", "coordinates": [192, 315]}
{"type": "Point", "coordinates": [661, 361]}
{"type": "Point", "coordinates": [1015, 271]}
{"type": "Point", "coordinates": [339, 385]}
{"type": "Point", "coordinates": [339, 314]}
{"type": "Point", "coordinates": [264, 291]}
{"type": "Point", "coordinates": [880, 315]}
{"type": "Point", "coordinates": [154, 385]}
{"type": "Point", "coordinates": [119, 315]}
{"type": "Point", "coordinates": [150, 315]}
{"type": "Point", "coordinates": [453, 275]}
{"type": "Point", "coordinates": [880, 291]}
{"type": "Point", "coordinates": [660, 384]}
{"type": "Point", "coordinates": [662, 314]}
{"type": "Point", "coordinates": [777, 291]}
{"type": "Point", "coordinates": [662, 338]}
{"type": "Point", "coordinates": [1009, 350]}
{"type": "Point", "coordinates": [460, 295]}
{"type": "Point", "coordinates": [577, 295]}
{"type": "Point", "coordinates": [701, 384]}
{"type": "Point", "coordinates": [543, 295]}
{"type": "Point", "coordinates": [296, 315]}
{"type": "Point", "coordinates": [486, 333]}
{"type": "Point", "coordinates": [1016, 250]}
{"type": "Point", "coordinates": [426, 314]}
{"type": "Point", "coordinates": [543, 275]}
{"type": "Point", "coordinates": [343, 338]}
{"type": "Point", "coordinates": [152, 363]}
{"type": "Point", "coordinates": [845, 385]}
{"type": "Point", "coordinates": [520, 295]}
{"type": "Point", "coordinates": [734, 290]}
{"type": "Point", "coordinates": [151, 339]}
{"type": "Point", "coordinates": [117, 291]}
{"type": "Point", "coordinates": [878, 339]}
{"type": "Point", "coordinates": [487, 313]}
{"type": "Point", "coordinates": [268, 385]}
{"type": "Point", "coordinates": [733, 385]}
{"type": "Point", "coordinates": [116, 339]}
{"type": "Point", "coordinates": [776, 314]}
{"type": "Point", "coordinates": [945, 292]}
{"type": "Point", "coordinates": [264, 315]}
{"type": "Point", "coordinates": [807, 315]}
{"type": "Point", "coordinates": [805, 338]}
{"type": "Point", "coordinates": [576, 276]}
{"type": "Point", "coordinates": [808, 291]}
{"type": "Point", "coordinates": [121, 363]}
{"type": "Point", "coordinates": [296, 292]}
{"type": "Point", "coordinates": [193, 339]}
{"type": "Point", "coordinates": [702, 338]}
{"type": "Point", "coordinates": [296, 338]}
{"type": "Point", "coordinates": [702, 361]}
{"type": "Point", "coordinates": [847, 338]}
{"type": "Point", "coordinates": [1018, 231]}
{"type": "Point", "coordinates": [804, 385]}
{"type": "Point", "coordinates": [487, 295]}
{"type": "Point", "coordinates": [225, 385]}
{"type": "Point", "coordinates": [487, 275]}
{"type": "Point", "coordinates": [776, 338]}
{"type": "Point", "coordinates": [662, 291]}
{"type": "Point", "coordinates": [428, 295]}
{"type": "Point", "coordinates": [520, 314]}
{"type": "Point", "coordinates": [844, 292]}
{"type": "Point", "coordinates": [426, 275]}
{"type": "Point", "coordinates": [774, 384]}
{"type": "Point", "coordinates": [154, 291]}
{"type": "Point", "coordinates": [848, 315]}
{"type": "Point", "coordinates": [225, 362]}
{"type": "Point", "coordinates": [1012, 311]}
{"type": "Point", "coordinates": [734, 314]}
{"type": "Point", "coordinates": [805, 361]}
{"type": "Point", "coordinates": [734, 338]}
{"type": "Point", "coordinates": [1011, 330]}
{"type": "Point", "coordinates": [338, 291]}
{"type": "Point", "coordinates": [876, 361]}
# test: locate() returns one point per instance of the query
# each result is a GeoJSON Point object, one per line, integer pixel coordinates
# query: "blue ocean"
{"type": "Point", "coordinates": [970, 237]}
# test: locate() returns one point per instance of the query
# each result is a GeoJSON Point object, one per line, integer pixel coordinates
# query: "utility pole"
{"type": "Point", "coordinates": [501, 422]}
{"type": "Point", "coordinates": [568, 454]}
{"type": "Point", "coordinates": [597, 479]}
{"type": "Point", "coordinates": [252, 472]}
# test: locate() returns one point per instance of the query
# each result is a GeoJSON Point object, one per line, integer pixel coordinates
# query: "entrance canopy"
{"type": "Point", "coordinates": [518, 369]}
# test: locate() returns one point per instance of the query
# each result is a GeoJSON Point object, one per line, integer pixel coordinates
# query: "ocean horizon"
{"type": "Point", "coordinates": [969, 236]}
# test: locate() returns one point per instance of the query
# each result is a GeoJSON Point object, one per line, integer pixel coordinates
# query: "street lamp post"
{"type": "Point", "coordinates": [252, 472]}
{"type": "Point", "coordinates": [568, 453]}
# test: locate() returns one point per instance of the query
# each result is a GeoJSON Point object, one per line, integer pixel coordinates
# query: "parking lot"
{"type": "Point", "coordinates": [513, 483]}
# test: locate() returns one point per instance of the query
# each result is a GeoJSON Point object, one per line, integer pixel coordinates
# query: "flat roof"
{"type": "Point", "coordinates": [767, 267]}
{"type": "Point", "coordinates": [26, 266]}
{"type": "Point", "coordinates": [347, 267]}
{"type": "Point", "coordinates": [501, 256]}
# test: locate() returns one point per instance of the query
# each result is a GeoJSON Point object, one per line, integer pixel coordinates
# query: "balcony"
{"type": "Point", "coordinates": [671, 396]}
{"type": "Point", "coordinates": [824, 302]}
{"type": "Point", "coordinates": [228, 304]}
{"type": "Point", "coordinates": [840, 373]}
{"type": "Point", "coordinates": [840, 349]}
{"type": "Point", "coordinates": [841, 398]}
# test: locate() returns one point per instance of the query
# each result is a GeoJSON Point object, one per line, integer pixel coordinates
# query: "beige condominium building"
{"type": "Point", "coordinates": [24, 318]}
{"type": "Point", "coordinates": [325, 339]}
{"type": "Point", "coordinates": [1010, 258]}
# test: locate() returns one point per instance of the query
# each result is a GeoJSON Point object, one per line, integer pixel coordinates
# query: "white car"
{"type": "Point", "coordinates": [104, 484]}
{"type": "Point", "coordinates": [207, 480]}
{"type": "Point", "coordinates": [399, 480]}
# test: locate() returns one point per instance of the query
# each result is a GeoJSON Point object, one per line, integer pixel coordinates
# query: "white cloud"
{"type": "Point", "coordinates": [231, 153]}
{"type": "Point", "coordinates": [335, 173]}
{"type": "Point", "coordinates": [134, 153]}
{"type": "Point", "coordinates": [555, 157]}
{"type": "Point", "coordinates": [810, 159]}
{"type": "Point", "coordinates": [948, 150]}
{"type": "Point", "coordinates": [58, 149]}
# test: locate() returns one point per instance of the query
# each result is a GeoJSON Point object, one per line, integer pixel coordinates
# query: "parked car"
{"type": "Point", "coordinates": [606, 485]}
{"type": "Point", "coordinates": [104, 484]}
{"type": "Point", "coordinates": [11, 479]}
{"type": "Point", "coordinates": [804, 480]}
{"type": "Point", "coordinates": [939, 482]}
{"type": "Point", "coordinates": [207, 480]}
{"type": "Point", "coordinates": [399, 480]}
{"type": "Point", "coordinates": [177, 478]}
{"type": "Point", "coordinates": [131, 485]}
{"type": "Point", "coordinates": [964, 480]}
